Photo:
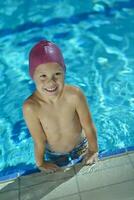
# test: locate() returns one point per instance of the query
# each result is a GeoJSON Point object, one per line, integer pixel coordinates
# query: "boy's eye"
{"type": "Point", "coordinates": [58, 73]}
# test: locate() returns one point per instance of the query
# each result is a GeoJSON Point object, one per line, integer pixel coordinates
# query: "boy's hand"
{"type": "Point", "coordinates": [90, 158]}
{"type": "Point", "coordinates": [49, 167]}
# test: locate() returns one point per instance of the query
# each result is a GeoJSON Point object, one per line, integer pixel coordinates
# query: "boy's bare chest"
{"type": "Point", "coordinates": [57, 117]}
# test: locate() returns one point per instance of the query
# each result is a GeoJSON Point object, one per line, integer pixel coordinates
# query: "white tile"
{"type": "Point", "coordinates": [9, 195]}
{"type": "Point", "coordinates": [105, 164]}
{"type": "Point", "coordinates": [123, 191]}
{"type": "Point", "coordinates": [48, 190]}
{"type": "Point", "coordinates": [117, 161]}
{"type": "Point", "coordinates": [99, 178]}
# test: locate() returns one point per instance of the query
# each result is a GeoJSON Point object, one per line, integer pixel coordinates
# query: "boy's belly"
{"type": "Point", "coordinates": [65, 143]}
{"type": "Point", "coordinates": [63, 134]}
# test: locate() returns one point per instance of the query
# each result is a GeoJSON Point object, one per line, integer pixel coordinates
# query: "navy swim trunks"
{"type": "Point", "coordinates": [67, 159]}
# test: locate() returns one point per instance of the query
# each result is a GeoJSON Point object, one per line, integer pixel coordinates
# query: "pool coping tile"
{"type": "Point", "coordinates": [50, 190]}
{"type": "Point", "coordinates": [121, 191]}
{"type": "Point", "coordinates": [6, 195]}
{"type": "Point", "coordinates": [43, 177]}
{"type": "Point", "coordinates": [105, 176]}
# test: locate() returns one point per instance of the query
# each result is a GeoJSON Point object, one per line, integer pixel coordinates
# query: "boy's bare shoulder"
{"type": "Point", "coordinates": [74, 94]}
{"type": "Point", "coordinates": [74, 91]}
{"type": "Point", "coordinates": [30, 104]}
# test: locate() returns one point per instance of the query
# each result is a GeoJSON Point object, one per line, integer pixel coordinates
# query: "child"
{"type": "Point", "coordinates": [56, 114]}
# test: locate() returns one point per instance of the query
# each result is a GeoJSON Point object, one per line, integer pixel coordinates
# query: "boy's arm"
{"type": "Point", "coordinates": [36, 131]}
{"type": "Point", "coordinates": [86, 121]}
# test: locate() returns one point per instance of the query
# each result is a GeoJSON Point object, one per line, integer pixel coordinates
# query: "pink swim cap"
{"type": "Point", "coordinates": [44, 52]}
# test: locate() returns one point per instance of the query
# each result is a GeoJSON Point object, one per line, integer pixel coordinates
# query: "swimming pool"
{"type": "Point", "coordinates": [97, 42]}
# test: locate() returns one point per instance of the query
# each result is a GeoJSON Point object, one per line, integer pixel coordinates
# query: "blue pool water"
{"type": "Point", "coordinates": [97, 41]}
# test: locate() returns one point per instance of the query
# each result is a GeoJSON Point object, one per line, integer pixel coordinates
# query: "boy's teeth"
{"type": "Point", "coordinates": [51, 89]}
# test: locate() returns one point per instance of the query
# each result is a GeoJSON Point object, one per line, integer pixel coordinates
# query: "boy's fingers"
{"type": "Point", "coordinates": [90, 161]}
{"type": "Point", "coordinates": [50, 169]}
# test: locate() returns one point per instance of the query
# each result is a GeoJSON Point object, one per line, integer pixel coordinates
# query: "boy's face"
{"type": "Point", "coordinates": [49, 79]}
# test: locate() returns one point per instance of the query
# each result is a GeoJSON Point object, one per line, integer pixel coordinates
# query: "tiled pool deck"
{"type": "Point", "coordinates": [110, 179]}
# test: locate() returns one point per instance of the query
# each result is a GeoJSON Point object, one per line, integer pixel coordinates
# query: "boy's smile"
{"type": "Point", "coordinates": [51, 89]}
{"type": "Point", "coordinates": [49, 79]}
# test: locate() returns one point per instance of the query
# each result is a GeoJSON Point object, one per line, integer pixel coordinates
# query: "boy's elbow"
{"type": "Point", "coordinates": [40, 143]}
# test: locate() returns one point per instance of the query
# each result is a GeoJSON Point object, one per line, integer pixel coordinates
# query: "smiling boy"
{"type": "Point", "coordinates": [56, 114]}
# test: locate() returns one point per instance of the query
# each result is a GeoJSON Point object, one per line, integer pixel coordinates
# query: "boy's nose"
{"type": "Point", "coordinates": [51, 80]}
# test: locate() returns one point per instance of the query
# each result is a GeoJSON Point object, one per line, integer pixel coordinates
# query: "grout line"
{"type": "Point", "coordinates": [77, 182]}
{"type": "Point", "coordinates": [19, 192]}
{"type": "Point", "coordinates": [132, 163]}
{"type": "Point", "coordinates": [68, 195]}
{"type": "Point", "coordinates": [105, 186]}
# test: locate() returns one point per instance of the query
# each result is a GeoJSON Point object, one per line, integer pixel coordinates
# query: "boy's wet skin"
{"type": "Point", "coordinates": [56, 110]}
{"type": "Point", "coordinates": [57, 115]}
{"type": "Point", "coordinates": [60, 121]}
